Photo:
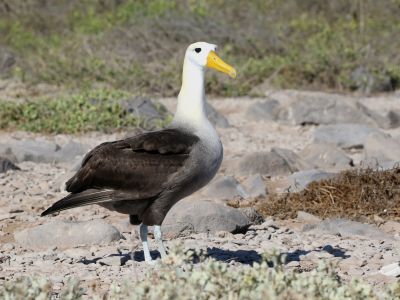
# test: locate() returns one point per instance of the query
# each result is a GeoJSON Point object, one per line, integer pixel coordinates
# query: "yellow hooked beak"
{"type": "Point", "coordinates": [214, 62]}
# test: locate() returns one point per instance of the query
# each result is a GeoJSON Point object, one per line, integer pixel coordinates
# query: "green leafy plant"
{"type": "Point", "coordinates": [177, 277]}
{"type": "Point", "coordinates": [86, 111]}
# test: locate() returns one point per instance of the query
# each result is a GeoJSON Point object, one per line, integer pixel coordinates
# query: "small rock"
{"type": "Point", "coordinates": [320, 108]}
{"type": "Point", "coordinates": [70, 152]}
{"type": "Point", "coordinates": [266, 110]}
{"type": "Point", "coordinates": [223, 234]}
{"type": "Point", "coordinates": [268, 223]}
{"type": "Point", "coordinates": [305, 108]}
{"type": "Point", "coordinates": [299, 181]}
{"type": "Point", "coordinates": [252, 214]}
{"type": "Point", "coordinates": [391, 227]}
{"type": "Point", "coordinates": [344, 135]}
{"type": "Point", "coordinates": [276, 162]}
{"type": "Point", "coordinates": [7, 247]}
{"type": "Point", "coordinates": [394, 119]}
{"type": "Point", "coordinates": [293, 264]}
{"type": "Point", "coordinates": [382, 121]}
{"type": "Point", "coordinates": [65, 234]}
{"type": "Point", "coordinates": [111, 261]}
{"type": "Point", "coordinates": [152, 113]}
{"type": "Point", "coordinates": [255, 186]}
{"type": "Point", "coordinates": [391, 270]}
{"type": "Point", "coordinates": [381, 148]}
{"type": "Point", "coordinates": [224, 187]}
{"type": "Point", "coordinates": [188, 216]}
{"type": "Point", "coordinates": [77, 253]}
{"type": "Point", "coordinates": [6, 165]}
{"type": "Point", "coordinates": [349, 228]}
{"type": "Point", "coordinates": [31, 150]}
{"type": "Point", "coordinates": [215, 117]}
{"type": "Point", "coordinates": [307, 218]}
{"type": "Point", "coordinates": [323, 254]}
{"type": "Point", "coordinates": [324, 155]}
{"type": "Point", "coordinates": [267, 245]}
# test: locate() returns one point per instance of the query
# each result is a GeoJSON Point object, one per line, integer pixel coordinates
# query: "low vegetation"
{"type": "Point", "coordinates": [177, 277]}
{"type": "Point", "coordinates": [138, 45]}
{"type": "Point", "coordinates": [94, 110]}
{"type": "Point", "coordinates": [352, 194]}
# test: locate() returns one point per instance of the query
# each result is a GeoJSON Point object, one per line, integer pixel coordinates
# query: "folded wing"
{"type": "Point", "coordinates": [134, 168]}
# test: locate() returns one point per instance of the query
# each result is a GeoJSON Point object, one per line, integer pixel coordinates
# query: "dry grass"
{"type": "Point", "coordinates": [354, 194]}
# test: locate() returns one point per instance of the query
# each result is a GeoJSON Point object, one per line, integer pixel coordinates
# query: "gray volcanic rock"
{"type": "Point", "coordinates": [312, 108]}
{"type": "Point", "coordinates": [224, 187]}
{"type": "Point", "coordinates": [326, 110]}
{"type": "Point", "coordinates": [253, 215]}
{"type": "Point", "coordinates": [215, 117]}
{"type": "Point", "coordinates": [323, 155]}
{"type": "Point", "coordinates": [276, 162]}
{"type": "Point", "coordinates": [267, 110]}
{"type": "Point", "coordinates": [70, 152]}
{"type": "Point", "coordinates": [255, 186]}
{"type": "Point", "coordinates": [40, 151]}
{"type": "Point", "coordinates": [64, 234]}
{"type": "Point", "coordinates": [391, 269]}
{"type": "Point", "coordinates": [298, 181]}
{"type": "Point", "coordinates": [381, 148]}
{"type": "Point", "coordinates": [188, 216]}
{"type": "Point", "coordinates": [6, 164]}
{"type": "Point", "coordinates": [382, 121]}
{"type": "Point", "coordinates": [394, 119]}
{"type": "Point", "coordinates": [349, 228]}
{"type": "Point", "coordinates": [31, 150]}
{"type": "Point", "coordinates": [294, 161]}
{"type": "Point", "coordinates": [152, 114]}
{"type": "Point", "coordinates": [344, 135]}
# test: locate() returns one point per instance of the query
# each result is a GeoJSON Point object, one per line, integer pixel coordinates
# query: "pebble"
{"type": "Point", "coordinates": [111, 261]}
{"type": "Point", "coordinates": [357, 256]}
{"type": "Point", "coordinates": [293, 264]}
{"type": "Point", "coordinates": [391, 270]}
{"type": "Point", "coordinates": [8, 247]}
{"type": "Point", "coordinates": [77, 253]}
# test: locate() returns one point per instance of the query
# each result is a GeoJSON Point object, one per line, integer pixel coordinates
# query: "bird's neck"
{"type": "Point", "coordinates": [191, 100]}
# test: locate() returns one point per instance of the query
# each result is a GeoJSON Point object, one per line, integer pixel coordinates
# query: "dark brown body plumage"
{"type": "Point", "coordinates": [143, 176]}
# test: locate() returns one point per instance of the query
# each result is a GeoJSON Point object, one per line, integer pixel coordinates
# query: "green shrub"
{"type": "Point", "coordinates": [177, 277]}
{"type": "Point", "coordinates": [87, 111]}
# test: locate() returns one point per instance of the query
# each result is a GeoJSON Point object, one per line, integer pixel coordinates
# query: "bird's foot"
{"type": "Point", "coordinates": [159, 240]}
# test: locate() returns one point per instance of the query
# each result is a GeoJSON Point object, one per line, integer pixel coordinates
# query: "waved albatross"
{"type": "Point", "coordinates": [145, 175]}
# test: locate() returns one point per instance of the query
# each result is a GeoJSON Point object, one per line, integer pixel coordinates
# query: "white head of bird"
{"type": "Point", "coordinates": [191, 99]}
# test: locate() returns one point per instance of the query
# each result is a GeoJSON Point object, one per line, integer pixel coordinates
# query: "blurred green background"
{"type": "Point", "coordinates": [57, 55]}
{"type": "Point", "coordinates": [139, 45]}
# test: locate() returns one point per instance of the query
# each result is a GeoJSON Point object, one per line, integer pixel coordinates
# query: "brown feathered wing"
{"type": "Point", "coordinates": [134, 168]}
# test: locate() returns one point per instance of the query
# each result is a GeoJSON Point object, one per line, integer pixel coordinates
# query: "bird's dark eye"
{"type": "Point", "coordinates": [198, 50]}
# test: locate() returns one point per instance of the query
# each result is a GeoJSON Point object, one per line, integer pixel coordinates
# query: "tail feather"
{"type": "Point", "coordinates": [79, 199]}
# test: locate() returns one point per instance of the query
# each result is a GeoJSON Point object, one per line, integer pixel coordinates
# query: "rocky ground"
{"type": "Point", "coordinates": [274, 144]}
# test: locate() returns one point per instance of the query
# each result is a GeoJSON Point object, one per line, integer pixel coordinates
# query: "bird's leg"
{"type": "Point", "coordinates": [158, 238]}
{"type": "Point", "coordinates": [143, 238]}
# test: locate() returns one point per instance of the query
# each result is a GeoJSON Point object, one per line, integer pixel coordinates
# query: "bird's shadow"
{"type": "Point", "coordinates": [245, 257]}
{"type": "Point", "coordinates": [124, 257]}
{"type": "Point", "coordinates": [249, 257]}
